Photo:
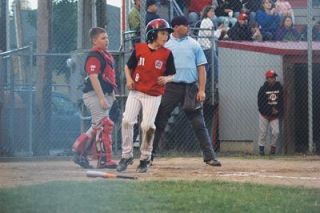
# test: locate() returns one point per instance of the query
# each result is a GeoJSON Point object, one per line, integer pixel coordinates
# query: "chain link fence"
{"type": "Point", "coordinates": [235, 73]}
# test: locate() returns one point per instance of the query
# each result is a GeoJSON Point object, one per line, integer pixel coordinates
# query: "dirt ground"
{"type": "Point", "coordinates": [291, 171]}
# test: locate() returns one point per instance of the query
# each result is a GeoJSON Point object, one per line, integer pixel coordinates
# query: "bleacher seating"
{"type": "Point", "coordinates": [300, 12]}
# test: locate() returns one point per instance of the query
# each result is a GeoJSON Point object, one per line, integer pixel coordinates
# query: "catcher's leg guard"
{"type": "Point", "coordinates": [79, 145]}
{"type": "Point", "coordinates": [79, 151]}
{"type": "Point", "coordinates": [105, 145]}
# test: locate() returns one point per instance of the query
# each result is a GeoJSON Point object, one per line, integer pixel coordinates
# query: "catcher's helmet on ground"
{"type": "Point", "coordinates": [271, 74]}
{"type": "Point", "coordinates": [154, 26]}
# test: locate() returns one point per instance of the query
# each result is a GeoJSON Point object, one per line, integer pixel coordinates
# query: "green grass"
{"type": "Point", "coordinates": [166, 196]}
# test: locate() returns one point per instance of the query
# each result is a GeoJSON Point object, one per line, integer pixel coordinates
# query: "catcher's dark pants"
{"type": "Point", "coordinates": [174, 94]}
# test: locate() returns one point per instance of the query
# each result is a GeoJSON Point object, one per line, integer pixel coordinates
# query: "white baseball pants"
{"type": "Point", "coordinates": [149, 105]}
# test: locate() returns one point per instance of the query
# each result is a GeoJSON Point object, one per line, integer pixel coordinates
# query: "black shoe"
{"type": "Point", "coordinates": [151, 160]}
{"type": "Point", "coordinates": [261, 150]}
{"type": "Point", "coordinates": [143, 166]}
{"type": "Point", "coordinates": [213, 162]}
{"type": "Point", "coordinates": [123, 164]}
{"type": "Point", "coordinates": [81, 160]}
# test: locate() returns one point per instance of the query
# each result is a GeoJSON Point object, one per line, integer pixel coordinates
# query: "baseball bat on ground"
{"type": "Point", "coordinates": [108, 175]}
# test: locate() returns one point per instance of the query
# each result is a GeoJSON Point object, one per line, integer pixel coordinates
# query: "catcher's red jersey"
{"type": "Point", "coordinates": [151, 65]}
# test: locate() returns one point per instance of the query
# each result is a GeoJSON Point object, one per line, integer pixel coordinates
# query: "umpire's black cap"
{"type": "Point", "coordinates": [179, 20]}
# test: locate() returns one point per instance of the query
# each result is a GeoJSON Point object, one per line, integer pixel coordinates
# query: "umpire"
{"type": "Point", "coordinates": [187, 88]}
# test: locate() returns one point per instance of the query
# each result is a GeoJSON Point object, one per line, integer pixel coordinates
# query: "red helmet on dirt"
{"type": "Point", "coordinates": [154, 26]}
{"type": "Point", "coordinates": [271, 74]}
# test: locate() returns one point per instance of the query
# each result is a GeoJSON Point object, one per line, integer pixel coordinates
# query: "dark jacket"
{"type": "Point", "coordinates": [252, 5]}
{"type": "Point", "coordinates": [270, 97]}
{"type": "Point", "coordinates": [151, 16]}
{"type": "Point", "coordinates": [285, 34]}
{"type": "Point", "coordinates": [240, 33]}
{"type": "Point", "coordinates": [228, 4]}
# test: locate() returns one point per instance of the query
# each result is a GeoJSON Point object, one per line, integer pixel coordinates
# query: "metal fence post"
{"type": "Point", "coordinates": [30, 104]}
{"type": "Point", "coordinates": [310, 109]}
{"type": "Point", "coordinates": [142, 19]}
{"type": "Point", "coordinates": [11, 100]}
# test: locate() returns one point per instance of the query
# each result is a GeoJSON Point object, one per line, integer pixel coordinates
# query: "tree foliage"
{"type": "Point", "coordinates": [64, 32]}
{"type": "Point", "coordinates": [64, 38]}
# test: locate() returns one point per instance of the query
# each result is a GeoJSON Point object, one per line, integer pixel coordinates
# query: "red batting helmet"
{"type": "Point", "coordinates": [271, 74]}
{"type": "Point", "coordinates": [154, 26]}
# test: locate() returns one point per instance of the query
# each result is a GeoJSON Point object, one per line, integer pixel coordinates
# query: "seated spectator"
{"type": "Point", "coordinates": [241, 31]}
{"type": "Point", "coordinates": [255, 29]}
{"type": "Point", "coordinates": [206, 31]}
{"type": "Point", "coordinates": [236, 6]}
{"type": "Point", "coordinates": [152, 8]}
{"type": "Point", "coordinates": [268, 20]}
{"type": "Point", "coordinates": [283, 8]}
{"type": "Point", "coordinates": [252, 6]}
{"type": "Point", "coordinates": [194, 9]}
{"type": "Point", "coordinates": [207, 37]}
{"type": "Point", "coordinates": [134, 16]}
{"type": "Point", "coordinates": [224, 13]}
{"type": "Point", "coordinates": [134, 20]}
{"type": "Point", "coordinates": [316, 32]}
{"type": "Point", "coordinates": [286, 32]}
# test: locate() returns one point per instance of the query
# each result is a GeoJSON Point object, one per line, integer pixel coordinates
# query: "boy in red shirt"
{"type": "Point", "coordinates": [148, 69]}
{"type": "Point", "coordinates": [98, 96]}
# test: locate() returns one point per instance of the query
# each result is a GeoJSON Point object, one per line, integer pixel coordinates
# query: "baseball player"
{"type": "Point", "coordinates": [270, 104]}
{"type": "Point", "coordinates": [148, 69]}
{"type": "Point", "coordinates": [98, 97]}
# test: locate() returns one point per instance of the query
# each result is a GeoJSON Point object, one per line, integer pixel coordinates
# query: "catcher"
{"type": "Point", "coordinates": [98, 96]}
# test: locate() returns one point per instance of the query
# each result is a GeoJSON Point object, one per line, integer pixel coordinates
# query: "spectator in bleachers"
{"type": "Point", "coordinates": [182, 4]}
{"type": "Point", "coordinates": [287, 32]}
{"type": "Point", "coordinates": [252, 6]}
{"type": "Point", "coordinates": [134, 20]}
{"type": "Point", "coordinates": [194, 9]}
{"type": "Point", "coordinates": [236, 7]}
{"type": "Point", "coordinates": [316, 32]}
{"type": "Point", "coordinates": [241, 31]}
{"type": "Point", "coordinates": [268, 20]}
{"type": "Point", "coordinates": [207, 28]}
{"type": "Point", "coordinates": [207, 37]}
{"type": "Point", "coordinates": [283, 8]}
{"type": "Point", "coordinates": [152, 8]}
{"type": "Point", "coordinates": [134, 16]}
{"type": "Point", "coordinates": [255, 29]}
{"type": "Point", "coordinates": [224, 13]}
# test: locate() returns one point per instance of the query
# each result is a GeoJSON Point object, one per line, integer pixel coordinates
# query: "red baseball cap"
{"type": "Point", "coordinates": [243, 17]}
{"type": "Point", "coordinates": [271, 74]}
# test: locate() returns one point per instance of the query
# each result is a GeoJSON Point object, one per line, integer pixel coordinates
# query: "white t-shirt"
{"type": "Point", "coordinates": [205, 35]}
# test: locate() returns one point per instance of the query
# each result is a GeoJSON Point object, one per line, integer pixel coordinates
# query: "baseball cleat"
{"type": "Point", "coordinates": [143, 166]}
{"type": "Point", "coordinates": [213, 162]}
{"type": "Point", "coordinates": [81, 161]}
{"type": "Point", "coordinates": [123, 164]}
